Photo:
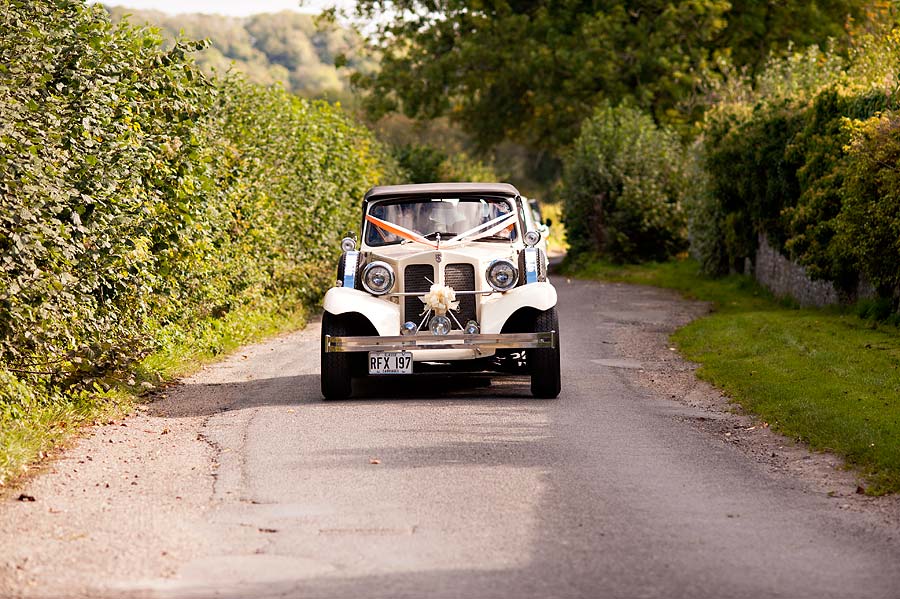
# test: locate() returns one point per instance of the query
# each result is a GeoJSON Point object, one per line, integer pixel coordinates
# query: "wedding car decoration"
{"type": "Point", "coordinates": [448, 277]}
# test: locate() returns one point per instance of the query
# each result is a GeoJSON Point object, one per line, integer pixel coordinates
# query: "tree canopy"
{"type": "Point", "coordinates": [289, 47]}
{"type": "Point", "coordinates": [531, 70]}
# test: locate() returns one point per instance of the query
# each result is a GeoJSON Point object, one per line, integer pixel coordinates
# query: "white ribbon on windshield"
{"type": "Point", "coordinates": [489, 228]}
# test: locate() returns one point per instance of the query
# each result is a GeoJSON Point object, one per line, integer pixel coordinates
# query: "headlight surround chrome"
{"type": "Point", "coordinates": [502, 275]}
{"type": "Point", "coordinates": [378, 278]}
{"type": "Point", "coordinates": [532, 238]}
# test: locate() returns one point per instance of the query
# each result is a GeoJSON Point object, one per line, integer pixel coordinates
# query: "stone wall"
{"type": "Point", "coordinates": [787, 279]}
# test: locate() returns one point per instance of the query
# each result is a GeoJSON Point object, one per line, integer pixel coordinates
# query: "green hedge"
{"type": "Point", "coordinates": [868, 230]}
{"type": "Point", "coordinates": [624, 183]}
{"type": "Point", "coordinates": [138, 197]}
{"type": "Point", "coordinates": [428, 164]}
{"type": "Point", "coordinates": [784, 172]}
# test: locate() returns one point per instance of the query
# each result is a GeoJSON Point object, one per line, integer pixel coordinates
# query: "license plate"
{"type": "Point", "coordinates": [390, 362]}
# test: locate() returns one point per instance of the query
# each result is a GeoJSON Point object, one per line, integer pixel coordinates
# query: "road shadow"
{"type": "Point", "coordinates": [191, 399]}
{"type": "Point", "coordinates": [451, 583]}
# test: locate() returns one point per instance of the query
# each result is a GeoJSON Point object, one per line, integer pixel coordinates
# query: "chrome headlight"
{"type": "Point", "coordinates": [348, 244]}
{"type": "Point", "coordinates": [378, 278]}
{"type": "Point", "coordinates": [532, 238]}
{"type": "Point", "coordinates": [502, 275]}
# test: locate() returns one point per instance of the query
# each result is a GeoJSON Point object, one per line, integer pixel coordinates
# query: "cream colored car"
{"type": "Point", "coordinates": [448, 277]}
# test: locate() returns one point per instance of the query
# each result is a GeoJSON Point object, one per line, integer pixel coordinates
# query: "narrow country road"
{"type": "Point", "coordinates": [241, 482]}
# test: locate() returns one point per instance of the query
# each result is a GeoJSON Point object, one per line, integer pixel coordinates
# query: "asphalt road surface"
{"type": "Point", "coordinates": [241, 482]}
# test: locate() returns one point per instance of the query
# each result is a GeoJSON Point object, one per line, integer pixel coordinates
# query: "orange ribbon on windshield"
{"type": "Point", "coordinates": [399, 231]}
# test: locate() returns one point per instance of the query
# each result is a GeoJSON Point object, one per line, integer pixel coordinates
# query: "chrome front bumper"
{"type": "Point", "coordinates": [546, 340]}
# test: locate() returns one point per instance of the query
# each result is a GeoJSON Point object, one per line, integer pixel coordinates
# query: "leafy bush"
{"type": "Point", "coordinates": [776, 162]}
{"type": "Point", "coordinates": [704, 217]}
{"type": "Point", "coordinates": [782, 173]}
{"type": "Point", "coordinates": [623, 187]}
{"type": "Point", "coordinates": [751, 178]}
{"type": "Point", "coordinates": [420, 163]}
{"type": "Point", "coordinates": [427, 164]}
{"type": "Point", "coordinates": [869, 224]}
{"type": "Point", "coordinates": [460, 167]}
{"type": "Point", "coordinates": [138, 197]}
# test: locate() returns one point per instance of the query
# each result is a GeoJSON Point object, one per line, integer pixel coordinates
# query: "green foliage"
{"type": "Point", "coordinates": [869, 224]}
{"type": "Point", "coordinates": [422, 164]}
{"type": "Point", "coordinates": [137, 198]}
{"type": "Point", "coordinates": [286, 47]}
{"type": "Point", "coordinates": [752, 179]}
{"type": "Point", "coordinates": [756, 29]}
{"type": "Point", "coordinates": [427, 164]}
{"type": "Point", "coordinates": [777, 165]}
{"type": "Point", "coordinates": [460, 167]}
{"type": "Point", "coordinates": [531, 72]}
{"type": "Point", "coordinates": [705, 219]}
{"type": "Point", "coordinates": [624, 184]}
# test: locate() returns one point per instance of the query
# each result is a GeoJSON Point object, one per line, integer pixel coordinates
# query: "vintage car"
{"type": "Point", "coordinates": [448, 277]}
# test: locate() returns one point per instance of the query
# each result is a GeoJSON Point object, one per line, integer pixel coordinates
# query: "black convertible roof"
{"type": "Point", "coordinates": [438, 189]}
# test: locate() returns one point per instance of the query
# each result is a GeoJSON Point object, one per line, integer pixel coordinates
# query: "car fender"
{"type": "Point", "coordinates": [496, 311]}
{"type": "Point", "coordinates": [383, 314]}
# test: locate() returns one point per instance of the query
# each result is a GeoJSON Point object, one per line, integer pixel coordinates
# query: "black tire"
{"type": "Point", "coordinates": [544, 363]}
{"type": "Point", "coordinates": [336, 376]}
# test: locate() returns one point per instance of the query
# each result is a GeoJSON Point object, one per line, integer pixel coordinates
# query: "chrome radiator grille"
{"type": "Point", "coordinates": [416, 279]}
{"type": "Point", "coordinates": [462, 278]}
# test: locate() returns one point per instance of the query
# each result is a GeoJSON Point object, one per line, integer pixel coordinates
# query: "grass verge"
{"type": "Point", "coordinates": [33, 423]}
{"type": "Point", "coordinates": [825, 377]}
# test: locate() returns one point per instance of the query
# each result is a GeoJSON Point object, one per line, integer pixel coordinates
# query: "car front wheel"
{"type": "Point", "coordinates": [544, 363]}
{"type": "Point", "coordinates": [336, 372]}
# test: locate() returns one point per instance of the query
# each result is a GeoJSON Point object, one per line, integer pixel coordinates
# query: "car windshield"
{"type": "Point", "coordinates": [420, 219]}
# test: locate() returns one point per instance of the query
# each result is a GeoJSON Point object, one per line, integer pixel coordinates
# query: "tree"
{"type": "Point", "coordinates": [531, 70]}
{"type": "Point", "coordinates": [286, 47]}
{"type": "Point", "coordinates": [757, 29]}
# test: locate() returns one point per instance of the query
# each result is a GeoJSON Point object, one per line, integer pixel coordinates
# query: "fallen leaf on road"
{"type": "Point", "coordinates": [164, 431]}
{"type": "Point", "coordinates": [374, 461]}
{"type": "Point", "coordinates": [24, 497]}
